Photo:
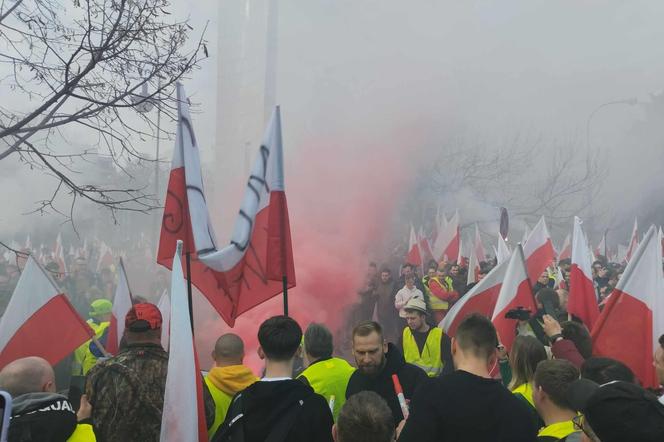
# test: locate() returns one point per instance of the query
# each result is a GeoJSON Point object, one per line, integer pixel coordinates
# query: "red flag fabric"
{"type": "Point", "coordinates": [538, 251]}
{"type": "Point", "coordinates": [633, 319]}
{"type": "Point", "coordinates": [425, 247]}
{"type": "Point", "coordinates": [446, 246]}
{"type": "Point", "coordinates": [601, 248]}
{"type": "Point", "coordinates": [37, 313]}
{"type": "Point", "coordinates": [252, 268]}
{"type": "Point", "coordinates": [582, 295]}
{"type": "Point", "coordinates": [480, 252]}
{"type": "Point", "coordinates": [515, 292]}
{"type": "Point", "coordinates": [121, 305]}
{"type": "Point", "coordinates": [414, 256]}
{"type": "Point", "coordinates": [480, 299]}
{"type": "Point", "coordinates": [183, 416]}
{"type": "Point", "coordinates": [633, 241]}
{"type": "Point", "coordinates": [473, 267]}
{"type": "Point", "coordinates": [566, 250]}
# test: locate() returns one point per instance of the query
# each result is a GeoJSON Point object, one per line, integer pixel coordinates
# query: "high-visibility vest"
{"type": "Point", "coordinates": [330, 378]}
{"type": "Point", "coordinates": [84, 359]}
{"type": "Point", "coordinates": [526, 390]}
{"type": "Point", "coordinates": [430, 358]}
{"type": "Point", "coordinates": [222, 401]}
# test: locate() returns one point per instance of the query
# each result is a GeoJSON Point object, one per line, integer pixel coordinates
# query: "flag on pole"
{"type": "Point", "coordinates": [461, 259]}
{"type": "Point", "coordinates": [252, 268]}
{"type": "Point", "coordinates": [183, 416]}
{"type": "Point", "coordinates": [633, 319]}
{"type": "Point", "coordinates": [122, 303]}
{"type": "Point", "coordinates": [566, 250]}
{"type": "Point", "coordinates": [633, 241]}
{"type": "Point", "coordinates": [164, 306]}
{"type": "Point", "coordinates": [39, 320]}
{"type": "Point", "coordinates": [473, 267]}
{"type": "Point", "coordinates": [601, 247]}
{"type": "Point", "coordinates": [560, 280]}
{"type": "Point", "coordinates": [446, 246]}
{"type": "Point", "coordinates": [425, 248]}
{"type": "Point", "coordinates": [414, 255]}
{"type": "Point", "coordinates": [515, 292]}
{"type": "Point", "coordinates": [480, 299]}
{"type": "Point", "coordinates": [105, 257]}
{"type": "Point", "coordinates": [503, 251]}
{"type": "Point", "coordinates": [582, 295]}
{"type": "Point", "coordinates": [480, 253]}
{"type": "Point", "coordinates": [538, 251]}
{"type": "Point", "coordinates": [526, 234]}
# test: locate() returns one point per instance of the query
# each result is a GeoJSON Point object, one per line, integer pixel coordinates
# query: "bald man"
{"type": "Point", "coordinates": [228, 376]}
{"type": "Point", "coordinates": [38, 413]}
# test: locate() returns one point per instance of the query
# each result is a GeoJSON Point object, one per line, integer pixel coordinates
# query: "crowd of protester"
{"type": "Point", "coordinates": [402, 378]}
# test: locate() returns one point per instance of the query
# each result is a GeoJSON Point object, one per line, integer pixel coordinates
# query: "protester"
{"type": "Point", "coordinates": [569, 340]}
{"type": "Point", "coordinates": [327, 375]}
{"type": "Point", "coordinates": [365, 417]}
{"type": "Point", "coordinates": [127, 391]}
{"type": "Point", "coordinates": [277, 407]}
{"type": "Point", "coordinates": [518, 373]}
{"type": "Point", "coordinates": [86, 356]}
{"type": "Point", "coordinates": [616, 412]}
{"type": "Point", "coordinates": [422, 345]}
{"type": "Point", "coordinates": [408, 292]}
{"type": "Point", "coordinates": [228, 376]}
{"type": "Point", "coordinates": [376, 362]}
{"type": "Point", "coordinates": [602, 370]}
{"type": "Point", "coordinates": [658, 360]}
{"type": "Point", "coordinates": [442, 294]}
{"type": "Point", "coordinates": [38, 413]}
{"type": "Point", "coordinates": [551, 382]}
{"type": "Point", "coordinates": [468, 405]}
{"type": "Point", "coordinates": [386, 315]}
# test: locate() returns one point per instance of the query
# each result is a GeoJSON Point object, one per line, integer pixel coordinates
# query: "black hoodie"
{"type": "Point", "coordinates": [267, 403]}
{"type": "Point", "coordinates": [410, 377]}
{"type": "Point", "coordinates": [41, 417]}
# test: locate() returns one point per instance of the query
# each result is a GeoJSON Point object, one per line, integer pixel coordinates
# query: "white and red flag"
{"type": "Point", "coordinates": [526, 234]}
{"type": "Point", "coordinates": [566, 250]}
{"type": "Point", "coordinates": [582, 295]}
{"type": "Point", "coordinates": [473, 267]}
{"type": "Point", "coordinates": [629, 327]}
{"type": "Point", "coordinates": [633, 241]}
{"type": "Point", "coordinates": [515, 292]}
{"type": "Point", "coordinates": [480, 253]}
{"type": "Point", "coordinates": [105, 256]}
{"type": "Point", "coordinates": [414, 255]}
{"type": "Point", "coordinates": [39, 320]}
{"type": "Point", "coordinates": [446, 246]}
{"type": "Point", "coordinates": [425, 247]}
{"type": "Point", "coordinates": [59, 255]}
{"type": "Point", "coordinates": [258, 260]}
{"type": "Point", "coordinates": [183, 416]}
{"type": "Point", "coordinates": [502, 251]}
{"type": "Point", "coordinates": [480, 299]}
{"type": "Point", "coordinates": [601, 248]}
{"type": "Point", "coordinates": [538, 251]}
{"type": "Point", "coordinates": [121, 305]}
{"type": "Point", "coordinates": [164, 306]}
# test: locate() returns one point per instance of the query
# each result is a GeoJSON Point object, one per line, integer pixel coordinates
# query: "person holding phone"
{"type": "Point", "coordinates": [38, 412]}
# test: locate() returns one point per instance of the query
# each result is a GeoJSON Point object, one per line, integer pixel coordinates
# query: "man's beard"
{"type": "Point", "coordinates": [373, 370]}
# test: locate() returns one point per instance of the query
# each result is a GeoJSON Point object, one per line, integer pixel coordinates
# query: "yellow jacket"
{"type": "Point", "coordinates": [224, 383]}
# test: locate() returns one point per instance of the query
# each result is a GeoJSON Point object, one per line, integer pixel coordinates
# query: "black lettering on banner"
{"type": "Point", "coordinates": [173, 221]}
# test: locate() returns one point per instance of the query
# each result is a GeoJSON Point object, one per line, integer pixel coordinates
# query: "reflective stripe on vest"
{"type": "Point", "coordinates": [430, 359]}
{"type": "Point", "coordinates": [330, 378]}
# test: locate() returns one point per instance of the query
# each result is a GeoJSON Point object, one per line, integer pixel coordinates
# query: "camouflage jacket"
{"type": "Point", "coordinates": [127, 394]}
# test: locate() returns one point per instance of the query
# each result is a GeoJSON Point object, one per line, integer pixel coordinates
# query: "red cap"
{"type": "Point", "coordinates": [143, 317]}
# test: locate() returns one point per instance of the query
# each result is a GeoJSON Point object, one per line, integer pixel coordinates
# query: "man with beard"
{"type": "Point", "coordinates": [376, 362]}
{"type": "Point", "coordinates": [387, 315]}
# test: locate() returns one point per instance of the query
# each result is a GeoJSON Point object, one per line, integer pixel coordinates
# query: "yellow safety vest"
{"type": "Point", "coordinates": [330, 378]}
{"type": "Point", "coordinates": [84, 360]}
{"type": "Point", "coordinates": [430, 359]}
{"type": "Point", "coordinates": [525, 390]}
{"type": "Point", "coordinates": [559, 430]}
{"type": "Point", "coordinates": [222, 402]}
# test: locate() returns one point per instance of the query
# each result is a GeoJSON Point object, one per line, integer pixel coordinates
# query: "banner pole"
{"type": "Point", "coordinates": [189, 297]}
{"type": "Point", "coordinates": [285, 282]}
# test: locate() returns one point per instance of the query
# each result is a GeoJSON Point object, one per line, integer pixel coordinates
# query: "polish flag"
{"type": "Point", "coordinates": [446, 246]}
{"type": "Point", "coordinates": [566, 250]}
{"type": "Point", "coordinates": [515, 292]}
{"type": "Point", "coordinates": [414, 256]}
{"type": "Point", "coordinates": [629, 327]}
{"type": "Point", "coordinates": [183, 416]}
{"type": "Point", "coordinates": [473, 267]}
{"type": "Point", "coordinates": [582, 295]}
{"type": "Point", "coordinates": [425, 247]}
{"type": "Point", "coordinates": [105, 257]}
{"type": "Point", "coordinates": [164, 306]}
{"type": "Point", "coordinates": [480, 299]}
{"type": "Point", "coordinates": [39, 320]}
{"type": "Point", "coordinates": [601, 247]}
{"type": "Point", "coordinates": [258, 261]}
{"type": "Point", "coordinates": [462, 260]}
{"type": "Point", "coordinates": [503, 251]}
{"type": "Point", "coordinates": [122, 303]}
{"type": "Point", "coordinates": [480, 253]}
{"type": "Point", "coordinates": [560, 280]}
{"type": "Point", "coordinates": [538, 251]}
{"type": "Point", "coordinates": [59, 255]}
{"type": "Point", "coordinates": [633, 242]}
{"type": "Point", "coordinates": [526, 234]}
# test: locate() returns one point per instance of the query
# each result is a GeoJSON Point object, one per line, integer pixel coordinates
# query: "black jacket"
{"type": "Point", "coordinates": [410, 377]}
{"type": "Point", "coordinates": [41, 417]}
{"type": "Point", "coordinates": [304, 415]}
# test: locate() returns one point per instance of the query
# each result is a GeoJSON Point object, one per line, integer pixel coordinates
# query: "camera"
{"type": "Point", "coordinates": [519, 313]}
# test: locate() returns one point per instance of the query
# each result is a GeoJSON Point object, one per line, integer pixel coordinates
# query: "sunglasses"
{"type": "Point", "coordinates": [580, 424]}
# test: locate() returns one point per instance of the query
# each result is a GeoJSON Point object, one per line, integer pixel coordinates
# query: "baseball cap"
{"type": "Point", "coordinates": [618, 410]}
{"type": "Point", "coordinates": [416, 304]}
{"type": "Point", "coordinates": [143, 317]}
{"type": "Point", "coordinates": [100, 307]}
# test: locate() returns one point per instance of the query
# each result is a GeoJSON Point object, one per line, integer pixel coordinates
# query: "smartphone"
{"type": "Point", "coordinates": [74, 396]}
{"type": "Point", "coordinates": [5, 414]}
{"type": "Point", "coordinates": [549, 309]}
